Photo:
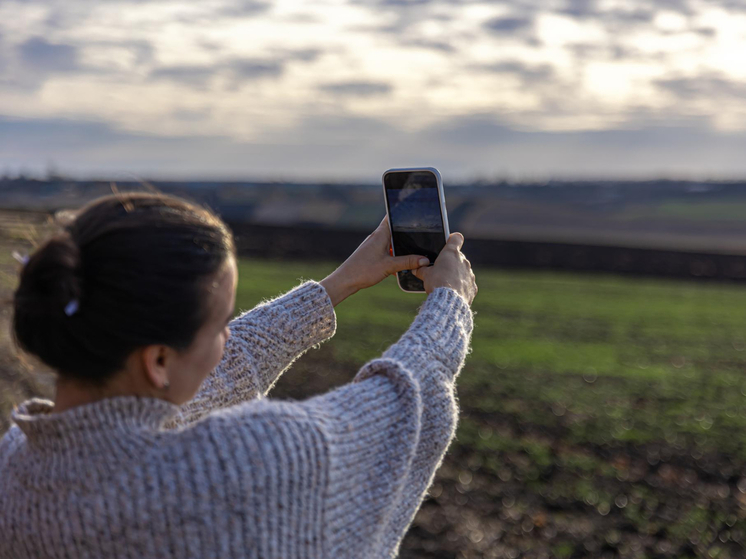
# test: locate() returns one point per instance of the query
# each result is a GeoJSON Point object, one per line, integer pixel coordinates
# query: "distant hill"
{"type": "Point", "coordinates": [668, 215]}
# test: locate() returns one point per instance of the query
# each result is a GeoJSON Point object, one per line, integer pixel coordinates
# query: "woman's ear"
{"type": "Point", "coordinates": [155, 361]}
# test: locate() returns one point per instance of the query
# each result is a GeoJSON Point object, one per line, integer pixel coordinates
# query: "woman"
{"type": "Point", "coordinates": [160, 443]}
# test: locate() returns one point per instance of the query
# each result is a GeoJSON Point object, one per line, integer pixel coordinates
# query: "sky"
{"type": "Point", "coordinates": [345, 89]}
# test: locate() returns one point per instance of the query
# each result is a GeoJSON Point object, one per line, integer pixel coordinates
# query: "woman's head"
{"type": "Point", "coordinates": [136, 271]}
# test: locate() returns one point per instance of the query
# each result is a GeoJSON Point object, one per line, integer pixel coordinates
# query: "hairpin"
{"type": "Point", "coordinates": [72, 307]}
{"type": "Point", "coordinates": [22, 258]}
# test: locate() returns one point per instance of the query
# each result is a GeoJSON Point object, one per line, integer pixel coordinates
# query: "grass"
{"type": "Point", "coordinates": [680, 344]}
{"type": "Point", "coordinates": [621, 397]}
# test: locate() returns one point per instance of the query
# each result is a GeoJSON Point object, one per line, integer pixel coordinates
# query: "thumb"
{"type": "Point", "coordinates": [456, 240]}
{"type": "Point", "coordinates": [408, 262]}
{"type": "Point", "coordinates": [420, 273]}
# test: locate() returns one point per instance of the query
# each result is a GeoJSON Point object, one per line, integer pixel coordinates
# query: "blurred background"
{"type": "Point", "coordinates": [593, 154]}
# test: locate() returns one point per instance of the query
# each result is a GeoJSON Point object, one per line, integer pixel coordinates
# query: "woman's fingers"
{"type": "Point", "coordinates": [422, 273]}
{"type": "Point", "coordinates": [409, 262]}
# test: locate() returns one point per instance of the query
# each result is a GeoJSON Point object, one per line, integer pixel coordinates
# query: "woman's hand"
{"type": "Point", "coordinates": [451, 269]}
{"type": "Point", "coordinates": [370, 264]}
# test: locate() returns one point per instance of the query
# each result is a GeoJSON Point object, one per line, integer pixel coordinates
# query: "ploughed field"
{"type": "Point", "coordinates": [601, 417]}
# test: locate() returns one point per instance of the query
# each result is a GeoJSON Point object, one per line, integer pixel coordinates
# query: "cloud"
{"type": "Point", "coordinates": [245, 8]}
{"type": "Point", "coordinates": [191, 75]}
{"type": "Point", "coordinates": [653, 148]}
{"type": "Point", "coordinates": [709, 32]}
{"type": "Point", "coordinates": [41, 56]}
{"type": "Point", "coordinates": [508, 25]}
{"type": "Point", "coordinates": [393, 3]}
{"type": "Point", "coordinates": [402, 18]}
{"type": "Point", "coordinates": [143, 50]}
{"type": "Point", "coordinates": [345, 147]}
{"type": "Point", "coordinates": [340, 128]}
{"type": "Point", "coordinates": [25, 66]}
{"type": "Point", "coordinates": [3, 58]}
{"type": "Point", "coordinates": [582, 52]}
{"type": "Point", "coordinates": [440, 45]}
{"type": "Point", "coordinates": [249, 69]}
{"type": "Point", "coordinates": [236, 71]}
{"type": "Point", "coordinates": [634, 14]}
{"type": "Point", "coordinates": [734, 5]}
{"type": "Point", "coordinates": [579, 8]}
{"type": "Point", "coordinates": [97, 149]}
{"type": "Point", "coordinates": [20, 135]}
{"type": "Point", "coordinates": [528, 73]}
{"type": "Point", "coordinates": [36, 61]}
{"type": "Point", "coordinates": [303, 55]}
{"type": "Point", "coordinates": [705, 86]}
{"type": "Point", "coordinates": [192, 115]}
{"type": "Point", "coordinates": [636, 11]}
{"type": "Point", "coordinates": [359, 88]}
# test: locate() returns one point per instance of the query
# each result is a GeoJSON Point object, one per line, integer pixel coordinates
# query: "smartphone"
{"type": "Point", "coordinates": [416, 207]}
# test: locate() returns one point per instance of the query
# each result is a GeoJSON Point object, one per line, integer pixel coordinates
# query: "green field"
{"type": "Point", "coordinates": [601, 417]}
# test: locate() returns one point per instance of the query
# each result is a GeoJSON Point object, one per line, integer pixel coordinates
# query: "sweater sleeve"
{"type": "Point", "coordinates": [264, 342]}
{"type": "Point", "coordinates": [388, 431]}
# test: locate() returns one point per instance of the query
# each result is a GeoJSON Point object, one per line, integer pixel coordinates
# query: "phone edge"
{"type": "Point", "coordinates": [443, 211]}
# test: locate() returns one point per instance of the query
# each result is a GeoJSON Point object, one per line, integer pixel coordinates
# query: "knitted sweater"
{"type": "Point", "coordinates": [232, 474]}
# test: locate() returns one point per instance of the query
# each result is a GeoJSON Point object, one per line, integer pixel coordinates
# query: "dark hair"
{"type": "Point", "coordinates": [138, 265]}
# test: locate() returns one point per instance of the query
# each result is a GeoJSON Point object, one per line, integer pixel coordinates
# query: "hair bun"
{"type": "Point", "coordinates": [52, 275]}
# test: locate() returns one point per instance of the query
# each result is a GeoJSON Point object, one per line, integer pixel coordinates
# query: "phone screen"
{"type": "Point", "coordinates": [416, 220]}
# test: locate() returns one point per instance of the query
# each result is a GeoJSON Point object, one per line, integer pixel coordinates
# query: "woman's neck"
{"type": "Point", "coordinates": [70, 393]}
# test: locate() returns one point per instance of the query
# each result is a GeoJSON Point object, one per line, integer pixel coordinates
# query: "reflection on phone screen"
{"type": "Point", "coordinates": [416, 220]}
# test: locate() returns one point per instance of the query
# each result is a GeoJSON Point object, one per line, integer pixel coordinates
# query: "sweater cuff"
{"type": "Point", "coordinates": [312, 313]}
{"type": "Point", "coordinates": [445, 318]}
{"type": "Point", "coordinates": [451, 313]}
{"type": "Point", "coordinates": [441, 332]}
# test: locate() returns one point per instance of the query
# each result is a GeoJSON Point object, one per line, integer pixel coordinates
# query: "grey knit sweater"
{"type": "Point", "coordinates": [232, 474]}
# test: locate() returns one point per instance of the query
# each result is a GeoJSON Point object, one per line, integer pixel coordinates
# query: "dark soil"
{"type": "Point", "coordinates": [630, 501]}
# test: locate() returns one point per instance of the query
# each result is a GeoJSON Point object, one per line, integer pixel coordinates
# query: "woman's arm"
{"type": "Point", "coordinates": [343, 474]}
{"type": "Point", "coordinates": [388, 431]}
{"type": "Point", "coordinates": [264, 342]}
